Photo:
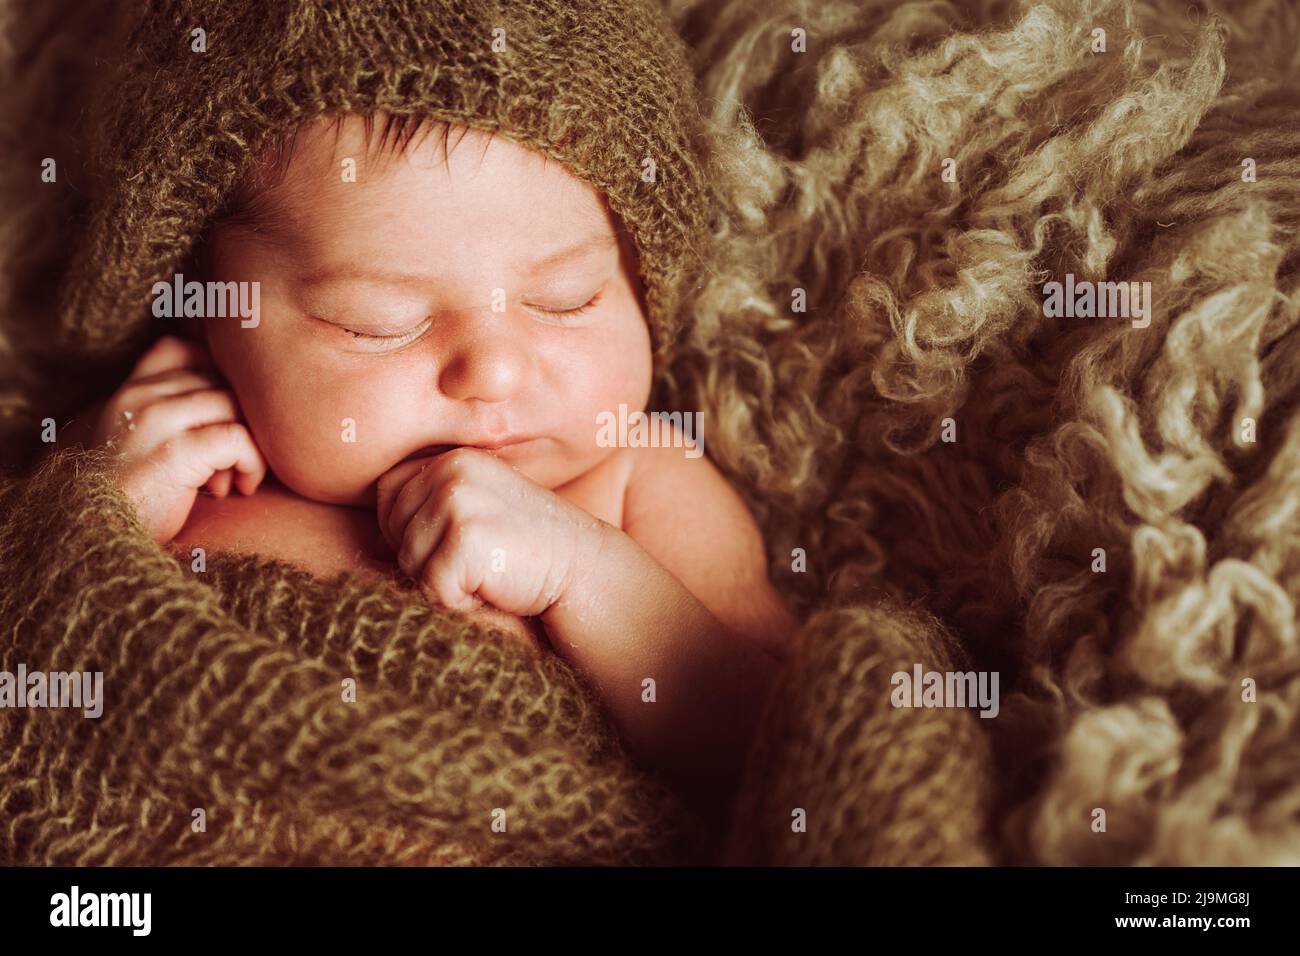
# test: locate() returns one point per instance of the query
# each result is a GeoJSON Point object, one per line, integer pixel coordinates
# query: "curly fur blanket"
{"type": "Point", "coordinates": [1104, 512]}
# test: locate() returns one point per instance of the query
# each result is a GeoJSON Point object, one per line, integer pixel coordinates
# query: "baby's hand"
{"type": "Point", "coordinates": [471, 529]}
{"type": "Point", "coordinates": [173, 429]}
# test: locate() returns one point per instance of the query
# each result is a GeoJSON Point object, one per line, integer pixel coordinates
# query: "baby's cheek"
{"type": "Point", "coordinates": [624, 376]}
{"type": "Point", "coordinates": [325, 450]}
{"type": "Point", "coordinates": [615, 372]}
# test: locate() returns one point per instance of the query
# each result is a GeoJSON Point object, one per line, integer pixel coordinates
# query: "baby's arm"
{"type": "Point", "coordinates": [472, 530]}
{"type": "Point", "coordinates": [680, 596]}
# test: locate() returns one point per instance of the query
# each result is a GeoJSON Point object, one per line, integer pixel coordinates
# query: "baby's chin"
{"type": "Point", "coordinates": [358, 494]}
{"type": "Point", "coordinates": [544, 466]}
{"type": "Point", "coordinates": [320, 478]}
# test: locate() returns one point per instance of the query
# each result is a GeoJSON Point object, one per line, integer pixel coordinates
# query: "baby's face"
{"type": "Point", "coordinates": [431, 302]}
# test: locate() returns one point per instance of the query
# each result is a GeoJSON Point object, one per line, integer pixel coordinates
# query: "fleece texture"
{"type": "Point", "coordinates": [1151, 687]}
{"type": "Point", "coordinates": [858, 308]}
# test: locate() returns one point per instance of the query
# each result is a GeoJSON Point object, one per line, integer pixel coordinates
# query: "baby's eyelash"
{"type": "Point", "coordinates": [400, 338]}
{"type": "Point", "coordinates": [412, 334]}
{"type": "Point", "coordinates": [591, 304]}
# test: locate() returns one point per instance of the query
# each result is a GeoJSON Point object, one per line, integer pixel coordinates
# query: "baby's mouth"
{"type": "Point", "coordinates": [429, 451]}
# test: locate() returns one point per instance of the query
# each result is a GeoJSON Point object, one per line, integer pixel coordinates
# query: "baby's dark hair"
{"type": "Point", "coordinates": [248, 205]}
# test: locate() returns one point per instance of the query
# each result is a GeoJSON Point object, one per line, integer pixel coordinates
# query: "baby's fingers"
{"type": "Point", "coordinates": [164, 419]}
{"type": "Point", "coordinates": [405, 482]}
{"type": "Point", "coordinates": [194, 456]}
{"type": "Point", "coordinates": [139, 392]}
{"type": "Point", "coordinates": [446, 578]}
{"type": "Point", "coordinates": [219, 484]}
{"type": "Point", "coordinates": [420, 504]}
{"type": "Point", "coordinates": [420, 536]}
{"type": "Point", "coordinates": [169, 353]}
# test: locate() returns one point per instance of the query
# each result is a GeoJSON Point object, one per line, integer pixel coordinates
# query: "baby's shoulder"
{"type": "Point", "coordinates": [675, 495]}
{"type": "Point", "coordinates": [681, 508]}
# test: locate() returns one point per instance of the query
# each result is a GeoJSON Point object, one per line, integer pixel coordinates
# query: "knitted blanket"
{"type": "Point", "coordinates": [251, 713]}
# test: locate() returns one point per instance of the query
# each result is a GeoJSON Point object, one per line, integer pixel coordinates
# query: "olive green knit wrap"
{"type": "Point", "coordinates": [223, 691]}
{"type": "Point", "coordinates": [602, 86]}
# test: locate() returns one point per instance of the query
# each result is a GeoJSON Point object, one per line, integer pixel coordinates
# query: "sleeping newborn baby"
{"type": "Point", "coordinates": [418, 399]}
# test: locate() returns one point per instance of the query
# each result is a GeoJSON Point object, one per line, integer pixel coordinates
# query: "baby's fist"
{"type": "Point", "coordinates": [470, 529]}
{"type": "Point", "coordinates": [173, 429]}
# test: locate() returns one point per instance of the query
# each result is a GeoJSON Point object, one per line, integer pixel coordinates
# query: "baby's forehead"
{"type": "Point", "coordinates": [334, 162]}
{"type": "Point", "coordinates": [489, 208]}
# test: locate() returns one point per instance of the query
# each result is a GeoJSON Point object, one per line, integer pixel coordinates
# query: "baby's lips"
{"type": "Point", "coordinates": [428, 451]}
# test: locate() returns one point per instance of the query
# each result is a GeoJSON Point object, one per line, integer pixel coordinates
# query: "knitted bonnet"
{"type": "Point", "coordinates": [195, 91]}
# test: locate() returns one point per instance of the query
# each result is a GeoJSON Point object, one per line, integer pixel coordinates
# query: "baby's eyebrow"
{"type": "Point", "coordinates": [577, 250]}
{"type": "Point", "coordinates": [582, 248]}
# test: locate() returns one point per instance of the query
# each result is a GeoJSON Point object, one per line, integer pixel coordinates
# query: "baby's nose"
{"type": "Point", "coordinates": [487, 364]}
